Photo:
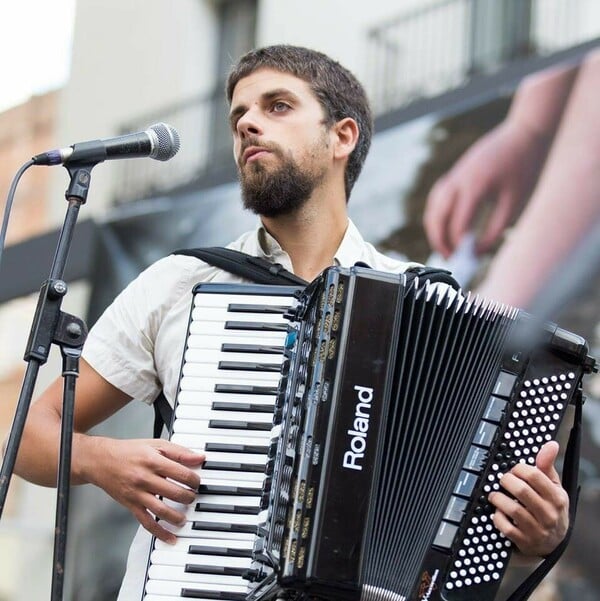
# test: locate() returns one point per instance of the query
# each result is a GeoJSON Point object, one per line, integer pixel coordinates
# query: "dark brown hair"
{"type": "Point", "coordinates": [337, 90]}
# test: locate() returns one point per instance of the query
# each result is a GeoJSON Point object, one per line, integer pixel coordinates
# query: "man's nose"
{"type": "Point", "coordinates": [249, 125]}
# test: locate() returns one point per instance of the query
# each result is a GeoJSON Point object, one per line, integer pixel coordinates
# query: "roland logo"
{"type": "Point", "coordinates": [358, 435]}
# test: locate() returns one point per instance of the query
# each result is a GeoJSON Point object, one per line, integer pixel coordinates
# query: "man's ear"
{"type": "Point", "coordinates": [346, 138]}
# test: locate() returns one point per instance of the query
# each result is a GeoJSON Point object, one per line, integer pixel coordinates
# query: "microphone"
{"type": "Point", "coordinates": [159, 141]}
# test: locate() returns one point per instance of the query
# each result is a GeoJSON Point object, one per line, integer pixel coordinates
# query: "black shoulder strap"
{"type": "Point", "coordinates": [163, 414]}
{"type": "Point", "coordinates": [252, 268]}
{"type": "Point", "coordinates": [435, 275]}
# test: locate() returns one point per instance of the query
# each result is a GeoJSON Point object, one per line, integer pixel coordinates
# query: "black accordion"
{"type": "Point", "coordinates": [352, 433]}
{"type": "Point", "coordinates": [402, 405]}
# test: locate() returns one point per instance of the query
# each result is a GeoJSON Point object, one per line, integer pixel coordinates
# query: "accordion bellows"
{"type": "Point", "coordinates": [404, 405]}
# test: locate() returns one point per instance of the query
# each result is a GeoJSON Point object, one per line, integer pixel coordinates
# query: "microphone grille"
{"type": "Point", "coordinates": [167, 141]}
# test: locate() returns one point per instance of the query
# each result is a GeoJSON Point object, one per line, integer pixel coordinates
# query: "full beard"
{"type": "Point", "coordinates": [280, 191]}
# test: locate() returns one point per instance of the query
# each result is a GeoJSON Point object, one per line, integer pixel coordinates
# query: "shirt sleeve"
{"type": "Point", "coordinates": [120, 345]}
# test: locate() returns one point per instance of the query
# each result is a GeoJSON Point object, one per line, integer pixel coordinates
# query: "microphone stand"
{"type": "Point", "coordinates": [53, 326]}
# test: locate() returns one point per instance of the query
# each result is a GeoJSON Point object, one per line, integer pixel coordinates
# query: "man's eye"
{"type": "Point", "coordinates": [280, 107]}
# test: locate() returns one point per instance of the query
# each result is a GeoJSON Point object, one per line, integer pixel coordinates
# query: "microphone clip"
{"type": "Point", "coordinates": [81, 177]}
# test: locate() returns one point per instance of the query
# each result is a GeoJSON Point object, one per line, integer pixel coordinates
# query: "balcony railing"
{"type": "Point", "coordinates": [432, 50]}
{"type": "Point", "coordinates": [439, 47]}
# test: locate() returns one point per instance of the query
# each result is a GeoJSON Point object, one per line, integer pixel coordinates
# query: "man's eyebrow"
{"type": "Point", "coordinates": [239, 110]}
{"type": "Point", "coordinates": [279, 92]}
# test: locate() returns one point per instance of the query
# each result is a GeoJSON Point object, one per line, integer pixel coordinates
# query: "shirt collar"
{"type": "Point", "coordinates": [349, 252]}
{"type": "Point", "coordinates": [351, 249]}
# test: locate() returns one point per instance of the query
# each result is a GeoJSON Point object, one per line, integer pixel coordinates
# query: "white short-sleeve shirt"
{"type": "Point", "coordinates": [137, 343]}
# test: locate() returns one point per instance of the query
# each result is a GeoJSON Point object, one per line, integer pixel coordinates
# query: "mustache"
{"type": "Point", "coordinates": [253, 141]}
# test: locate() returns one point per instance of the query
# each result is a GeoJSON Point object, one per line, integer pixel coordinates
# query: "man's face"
{"type": "Point", "coordinates": [280, 143]}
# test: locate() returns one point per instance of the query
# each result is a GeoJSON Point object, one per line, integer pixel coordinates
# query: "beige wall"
{"type": "Point", "coordinates": [130, 58]}
{"type": "Point", "coordinates": [25, 130]}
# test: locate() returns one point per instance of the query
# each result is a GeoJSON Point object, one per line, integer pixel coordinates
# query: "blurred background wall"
{"type": "Point", "coordinates": [440, 74]}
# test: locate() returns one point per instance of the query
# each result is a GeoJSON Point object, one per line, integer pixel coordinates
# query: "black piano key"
{"type": "Point", "coordinates": [249, 366]}
{"type": "Point", "coordinates": [245, 389]}
{"type": "Point", "coordinates": [226, 447]}
{"type": "Point", "coordinates": [232, 466]}
{"type": "Point", "coordinates": [228, 347]}
{"type": "Point", "coordinates": [224, 527]}
{"type": "Point", "coordinates": [223, 508]}
{"type": "Point", "coordinates": [192, 568]}
{"type": "Point", "coordinates": [256, 326]}
{"type": "Point", "coordinates": [248, 407]}
{"type": "Point", "coordinates": [248, 308]}
{"type": "Point", "coordinates": [219, 551]}
{"type": "Point", "coordinates": [218, 489]}
{"type": "Point", "coordinates": [193, 593]}
{"type": "Point", "coordinates": [238, 425]}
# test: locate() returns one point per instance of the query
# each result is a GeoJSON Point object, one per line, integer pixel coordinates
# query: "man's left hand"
{"type": "Point", "coordinates": [535, 513]}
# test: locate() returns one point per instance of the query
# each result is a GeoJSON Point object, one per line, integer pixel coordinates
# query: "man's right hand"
{"type": "Point", "coordinates": [149, 477]}
{"type": "Point", "coordinates": [144, 476]}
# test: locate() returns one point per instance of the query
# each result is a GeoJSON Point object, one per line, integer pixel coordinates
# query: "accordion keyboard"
{"type": "Point", "coordinates": [224, 409]}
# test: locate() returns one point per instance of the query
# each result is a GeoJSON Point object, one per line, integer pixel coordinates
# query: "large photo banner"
{"type": "Point", "coordinates": [406, 162]}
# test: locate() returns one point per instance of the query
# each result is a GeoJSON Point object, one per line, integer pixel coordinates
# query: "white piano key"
{"type": "Point", "coordinates": [177, 598]}
{"type": "Point", "coordinates": [208, 385]}
{"type": "Point", "coordinates": [218, 375]}
{"type": "Point", "coordinates": [212, 356]}
{"type": "Point", "coordinates": [206, 413]}
{"type": "Point", "coordinates": [193, 440]}
{"type": "Point", "coordinates": [217, 314]}
{"type": "Point", "coordinates": [199, 427]}
{"type": "Point", "coordinates": [168, 598]}
{"type": "Point", "coordinates": [243, 478]}
{"type": "Point", "coordinates": [202, 299]}
{"type": "Point", "coordinates": [178, 573]}
{"type": "Point", "coordinates": [228, 480]}
{"type": "Point", "coordinates": [208, 342]}
{"type": "Point", "coordinates": [208, 397]}
{"type": "Point", "coordinates": [184, 544]}
{"type": "Point", "coordinates": [246, 458]}
{"type": "Point", "coordinates": [216, 501]}
{"type": "Point", "coordinates": [221, 518]}
{"type": "Point", "coordinates": [178, 558]}
{"type": "Point", "coordinates": [214, 328]}
{"type": "Point", "coordinates": [188, 531]}
{"type": "Point", "coordinates": [252, 502]}
{"type": "Point", "coordinates": [173, 587]}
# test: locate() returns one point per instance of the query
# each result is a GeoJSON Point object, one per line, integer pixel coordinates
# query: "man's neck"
{"type": "Point", "coordinates": [311, 236]}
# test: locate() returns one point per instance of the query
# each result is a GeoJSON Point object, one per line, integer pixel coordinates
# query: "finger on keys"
{"type": "Point", "coordinates": [182, 461]}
